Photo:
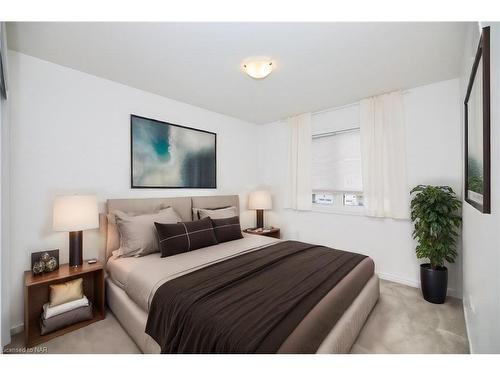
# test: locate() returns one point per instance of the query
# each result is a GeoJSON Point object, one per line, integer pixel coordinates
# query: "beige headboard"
{"type": "Point", "coordinates": [183, 206]}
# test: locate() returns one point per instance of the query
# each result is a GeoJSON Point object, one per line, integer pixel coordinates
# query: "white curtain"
{"type": "Point", "coordinates": [383, 154]}
{"type": "Point", "coordinates": [299, 190]}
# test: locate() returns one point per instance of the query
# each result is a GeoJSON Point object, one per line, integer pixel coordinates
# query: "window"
{"type": "Point", "coordinates": [323, 198]}
{"type": "Point", "coordinates": [336, 169]}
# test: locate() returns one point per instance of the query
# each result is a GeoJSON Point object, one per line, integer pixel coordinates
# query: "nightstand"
{"type": "Point", "coordinates": [36, 294]}
{"type": "Point", "coordinates": [273, 232]}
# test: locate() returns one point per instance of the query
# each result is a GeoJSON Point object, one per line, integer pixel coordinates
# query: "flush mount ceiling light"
{"type": "Point", "coordinates": [258, 69]}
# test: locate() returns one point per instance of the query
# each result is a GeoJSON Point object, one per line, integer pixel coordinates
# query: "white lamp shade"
{"type": "Point", "coordinates": [260, 200]}
{"type": "Point", "coordinates": [75, 212]}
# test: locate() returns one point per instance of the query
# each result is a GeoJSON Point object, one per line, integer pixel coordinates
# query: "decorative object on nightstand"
{"type": "Point", "coordinates": [73, 214]}
{"type": "Point", "coordinates": [44, 261]}
{"type": "Point", "coordinates": [260, 200]}
{"type": "Point", "coordinates": [44, 323]}
{"type": "Point", "coordinates": [51, 264]}
{"type": "Point", "coordinates": [38, 267]}
{"type": "Point", "coordinates": [268, 232]}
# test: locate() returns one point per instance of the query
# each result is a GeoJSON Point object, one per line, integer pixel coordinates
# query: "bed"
{"type": "Point", "coordinates": [132, 283]}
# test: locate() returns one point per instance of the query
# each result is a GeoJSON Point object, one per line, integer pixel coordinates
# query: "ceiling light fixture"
{"type": "Point", "coordinates": [258, 69]}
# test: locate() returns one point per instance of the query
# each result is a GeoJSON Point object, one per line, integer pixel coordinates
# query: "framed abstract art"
{"type": "Point", "coordinates": [477, 129]}
{"type": "Point", "coordinates": [165, 155]}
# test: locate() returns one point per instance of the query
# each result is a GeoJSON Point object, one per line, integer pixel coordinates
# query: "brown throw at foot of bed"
{"type": "Point", "coordinates": [247, 304]}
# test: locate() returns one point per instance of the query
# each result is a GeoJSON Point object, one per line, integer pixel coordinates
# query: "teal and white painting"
{"type": "Point", "coordinates": [165, 155]}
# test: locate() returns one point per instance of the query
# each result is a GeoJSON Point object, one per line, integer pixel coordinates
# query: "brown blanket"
{"type": "Point", "coordinates": [247, 304]}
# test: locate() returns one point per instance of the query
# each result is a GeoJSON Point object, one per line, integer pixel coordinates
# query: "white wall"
{"type": "Point", "coordinates": [434, 146]}
{"type": "Point", "coordinates": [4, 215]}
{"type": "Point", "coordinates": [481, 235]}
{"type": "Point", "coordinates": [70, 133]}
{"type": "Point", "coordinates": [2, 262]}
{"type": "Point", "coordinates": [4, 224]}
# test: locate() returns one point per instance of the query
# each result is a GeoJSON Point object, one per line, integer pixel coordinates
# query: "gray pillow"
{"type": "Point", "coordinates": [215, 213]}
{"type": "Point", "coordinates": [138, 233]}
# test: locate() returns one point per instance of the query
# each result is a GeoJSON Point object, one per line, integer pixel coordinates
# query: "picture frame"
{"type": "Point", "coordinates": [36, 256]}
{"type": "Point", "coordinates": [164, 155]}
{"type": "Point", "coordinates": [3, 61]}
{"type": "Point", "coordinates": [477, 160]}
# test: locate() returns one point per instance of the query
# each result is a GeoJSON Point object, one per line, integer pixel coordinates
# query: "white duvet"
{"type": "Point", "coordinates": [141, 277]}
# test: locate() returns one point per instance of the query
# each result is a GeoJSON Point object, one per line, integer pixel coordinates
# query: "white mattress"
{"type": "Point", "coordinates": [141, 277]}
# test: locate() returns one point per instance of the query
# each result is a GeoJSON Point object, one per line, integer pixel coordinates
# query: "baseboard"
{"type": "Point", "coordinates": [466, 317]}
{"type": "Point", "coordinates": [16, 329]}
{"type": "Point", "coordinates": [398, 279]}
{"type": "Point", "coordinates": [413, 283]}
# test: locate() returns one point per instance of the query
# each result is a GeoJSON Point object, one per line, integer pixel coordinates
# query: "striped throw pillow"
{"type": "Point", "coordinates": [185, 236]}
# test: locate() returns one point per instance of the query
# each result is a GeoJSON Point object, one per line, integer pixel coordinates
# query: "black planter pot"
{"type": "Point", "coordinates": [434, 283]}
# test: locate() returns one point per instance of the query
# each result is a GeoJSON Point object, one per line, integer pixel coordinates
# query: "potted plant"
{"type": "Point", "coordinates": [434, 213]}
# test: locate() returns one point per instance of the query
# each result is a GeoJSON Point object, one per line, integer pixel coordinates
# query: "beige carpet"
{"type": "Point", "coordinates": [401, 322]}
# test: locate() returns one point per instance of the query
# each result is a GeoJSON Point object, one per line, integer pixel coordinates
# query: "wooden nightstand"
{"type": "Point", "coordinates": [36, 294]}
{"type": "Point", "coordinates": [273, 232]}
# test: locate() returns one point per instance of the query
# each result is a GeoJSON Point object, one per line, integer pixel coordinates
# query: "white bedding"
{"type": "Point", "coordinates": [141, 277]}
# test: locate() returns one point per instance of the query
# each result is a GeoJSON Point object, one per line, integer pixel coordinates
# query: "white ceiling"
{"type": "Point", "coordinates": [318, 65]}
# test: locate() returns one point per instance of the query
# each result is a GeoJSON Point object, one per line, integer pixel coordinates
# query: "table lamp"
{"type": "Point", "coordinates": [260, 201]}
{"type": "Point", "coordinates": [73, 214]}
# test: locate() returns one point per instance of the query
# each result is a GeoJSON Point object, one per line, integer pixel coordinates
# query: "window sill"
{"type": "Point", "coordinates": [355, 211]}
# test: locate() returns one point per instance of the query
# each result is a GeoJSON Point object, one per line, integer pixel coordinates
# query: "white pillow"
{"type": "Point", "coordinates": [138, 233]}
{"type": "Point", "coordinates": [217, 213]}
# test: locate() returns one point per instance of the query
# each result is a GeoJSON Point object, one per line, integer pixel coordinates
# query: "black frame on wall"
{"type": "Point", "coordinates": [483, 51]}
{"type": "Point", "coordinates": [169, 187]}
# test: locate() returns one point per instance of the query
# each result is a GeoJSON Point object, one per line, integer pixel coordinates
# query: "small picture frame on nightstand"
{"type": "Point", "coordinates": [49, 259]}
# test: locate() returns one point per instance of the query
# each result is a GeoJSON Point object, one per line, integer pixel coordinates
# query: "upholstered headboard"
{"type": "Point", "coordinates": [183, 206]}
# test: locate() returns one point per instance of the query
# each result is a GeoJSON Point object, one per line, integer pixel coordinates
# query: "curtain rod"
{"type": "Point", "coordinates": [347, 105]}
{"type": "Point", "coordinates": [339, 108]}
{"type": "Point", "coordinates": [335, 132]}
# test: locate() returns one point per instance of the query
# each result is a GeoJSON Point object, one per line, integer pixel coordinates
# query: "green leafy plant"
{"type": "Point", "coordinates": [434, 213]}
